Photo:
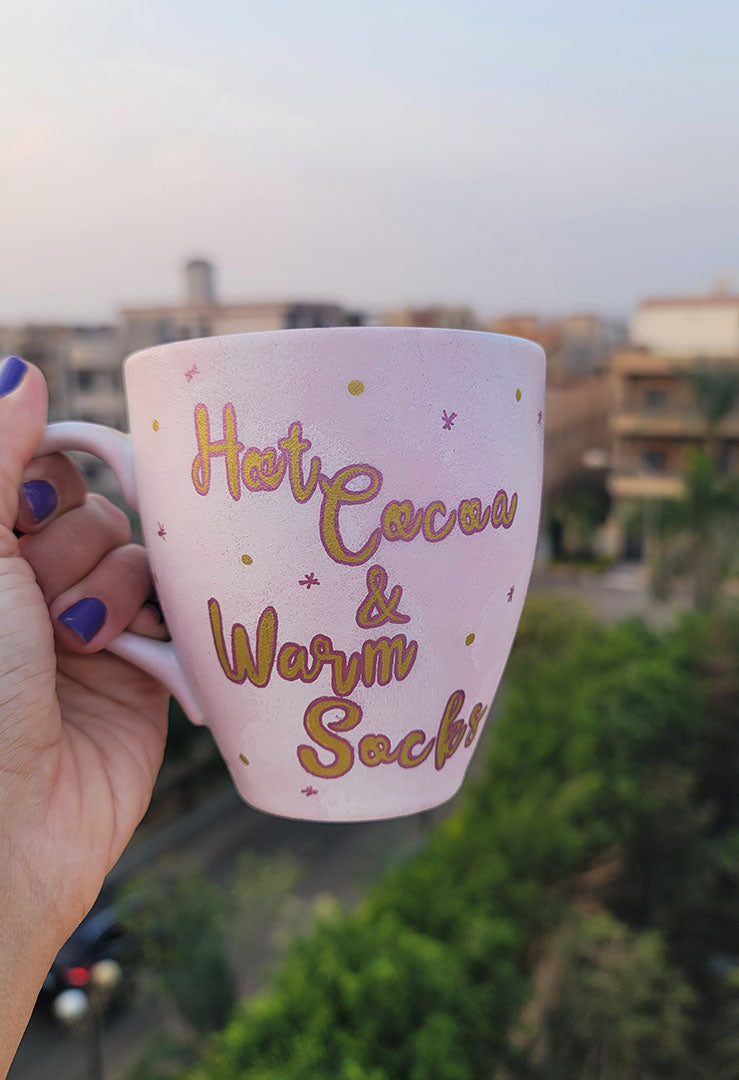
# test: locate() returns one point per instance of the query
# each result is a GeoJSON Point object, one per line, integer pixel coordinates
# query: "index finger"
{"type": "Point", "coordinates": [23, 408]}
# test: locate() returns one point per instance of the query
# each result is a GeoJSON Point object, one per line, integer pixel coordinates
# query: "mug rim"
{"type": "Point", "coordinates": [321, 331]}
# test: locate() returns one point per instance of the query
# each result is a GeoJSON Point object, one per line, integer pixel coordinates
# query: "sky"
{"type": "Point", "coordinates": [527, 157]}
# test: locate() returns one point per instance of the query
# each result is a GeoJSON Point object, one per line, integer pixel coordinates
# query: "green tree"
{"type": "Point", "coordinates": [179, 924]}
{"type": "Point", "coordinates": [623, 1012]}
{"type": "Point", "coordinates": [580, 507]}
{"type": "Point", "coordinates": [697, 534]}
{"type": "Point", "coordinates": [363, 998]}
{"type": "Point", "coordinates": [716, 392]}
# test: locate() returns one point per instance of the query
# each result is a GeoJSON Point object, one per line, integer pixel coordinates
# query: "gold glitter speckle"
{"type": "Point", "coordinates": [518, 393]}
{"type": "Point", "coordinates": [155, 425]}
{"type": "Point", "coordinates": [247, 560]}
{"type": "Point", "coordinates": [355, 387]}
{"type": "Point", "coordinates": [469, 639]}
{"type": "Point", "coordinates": [244, 758]}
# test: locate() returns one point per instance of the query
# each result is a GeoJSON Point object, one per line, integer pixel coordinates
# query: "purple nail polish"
{"type": "Point", "coordinates": [41, 498]}
{"type": "Point", "coordinates": [85, 617]}
{"type": "Point", "coordinates": [11, 374]}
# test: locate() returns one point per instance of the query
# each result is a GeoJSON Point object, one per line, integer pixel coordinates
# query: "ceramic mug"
{"type": "Point", "coordinates": [341, 525]}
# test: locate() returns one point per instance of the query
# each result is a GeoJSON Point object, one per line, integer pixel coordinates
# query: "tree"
{"type": "Point", "coordinates": [580, 507]}
{"type": "Point", "coordinates": [698, 534]}
{"type": "Point", "coordinates": [623, 1011]}
{"type": "Point", "coordinates": [179, 925]}
{"type": "Point", "coordinates": [716, 392]}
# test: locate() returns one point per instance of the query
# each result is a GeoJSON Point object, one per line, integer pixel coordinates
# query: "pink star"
{"type": "Point", "coordinates": [539, 420]}
{"type": "Point", "coordinates": [161, 531]}
{"type": "Point", "coordinates": [448, 420]}
{"type": "Point", "coordinates": [309, 790]}
{"type": "Point", "coordinates": [192, 372]}
{"type": "Point", "coordinates": [510, 593]}
{"type": "Point", "coordinates": [308, 580]}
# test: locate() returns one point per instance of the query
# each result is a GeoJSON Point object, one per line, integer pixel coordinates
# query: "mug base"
{"type": "Point", "coordinates": [335, 815]}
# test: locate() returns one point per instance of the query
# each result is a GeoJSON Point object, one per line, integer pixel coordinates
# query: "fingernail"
{"type": "Point", "coordinates": [156, 607]}
{"type": "Point", "coordinates": [11, 374]}
{"type": "Point", "coordinates": [85, 617]}
{"type": "Point", "coordinates": [41, 498]}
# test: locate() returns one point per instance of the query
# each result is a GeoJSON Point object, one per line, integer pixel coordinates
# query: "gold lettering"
{"type": "Point", "coordinates": [335, 495]}
{"type": "Point", "coordinates": [429, 524]}
{"type": "Point", "coordinates": [387, 658]}
{"type": "Point", "coordinates": [295, 446]}
{"type": "Point", "coordinates": [324, 735]}
{"type": "Point", "coordinates": [244, 667]}
{"type": "Point", "coordinates": [229, 447]}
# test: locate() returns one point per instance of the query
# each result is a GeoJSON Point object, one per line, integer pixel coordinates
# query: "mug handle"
{"type": "Point", "coordinates": [157, 658]}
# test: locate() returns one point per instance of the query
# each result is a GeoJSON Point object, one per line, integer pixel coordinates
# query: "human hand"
{"type": "Point", "coordinates": [81, 731]}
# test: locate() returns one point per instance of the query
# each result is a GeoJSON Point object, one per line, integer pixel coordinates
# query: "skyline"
{"type": "Point", "coordinates": [530, 160]}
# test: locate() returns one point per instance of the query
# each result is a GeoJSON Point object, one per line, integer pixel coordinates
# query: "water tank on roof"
{"type": "Point", "coordinates": [199, 278]}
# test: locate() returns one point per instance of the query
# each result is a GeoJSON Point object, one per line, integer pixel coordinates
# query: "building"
{"type": "Point", "coordinates": [577, 394]}
{"type": "Point", "coordinates": [655, 420]}
{"type": "Point", "coordinates": [575, 345]}
{"type": "Point", "coordinates": [576, 435]}
{"type": "Point", "coordinates": [83, 364]}
{"type": "Point", "coordinates": [200, 314]}
{"type": "Point", "coordinates": [449, 318]}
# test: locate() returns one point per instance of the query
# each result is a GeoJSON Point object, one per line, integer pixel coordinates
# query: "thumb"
{"type": "Point", "coordinates": [23, 406]}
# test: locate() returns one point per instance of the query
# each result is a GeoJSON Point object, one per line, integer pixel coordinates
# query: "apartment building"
{"type": "Point", "coordinates": [655, 420]}
{"type": "Point", "coordinates": [577, 394]}
{"type": "Point", "coordinates": [200, 314]}
{"type": "Point", "coordinates": [449, 318]}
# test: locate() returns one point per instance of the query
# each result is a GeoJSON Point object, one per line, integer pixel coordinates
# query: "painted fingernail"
{"type": "Point", "coordinates": [85, 617]}
{"type": "Point", "coordinates": [41, 498]}
{"type": "Point", "coordinates": [11, 374]}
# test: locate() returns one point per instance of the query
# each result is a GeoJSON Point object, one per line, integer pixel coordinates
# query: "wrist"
{"type": "Point", "coordinates": [28, 945]}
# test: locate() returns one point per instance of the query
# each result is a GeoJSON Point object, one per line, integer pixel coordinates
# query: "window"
{"type": "Point", "coordinates": [654, 399]}
{"type": "Point", "coordinates": [654, 460]}
{"type": "Point", "coordinates": [85, 380]}
{"type": "Point", "coordinates": [723, 457]}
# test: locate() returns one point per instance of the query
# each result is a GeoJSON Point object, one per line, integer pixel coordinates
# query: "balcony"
{"type": "Point", "coordinates": [670, 424]}
{"type": "Point", "coordinates": [642, 485]}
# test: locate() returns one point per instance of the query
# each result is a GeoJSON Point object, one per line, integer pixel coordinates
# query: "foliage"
{"type": "Point", "coordinates": [608, 744]}
{"type": "Point", "coordinates": [179, 924]}
{"type": "Point", "coordinates": [259, 899]}
{"type": "Point", "coordinates": [164, 1057]}
{"type": "Point", "coordinates": [580, 507]}
{"type": "Point", "coordinates": [696, 535]}
{"type": "Point", "coordinates": [716, 391]}
{"type": "Point", "coordinates": [622, 1009]}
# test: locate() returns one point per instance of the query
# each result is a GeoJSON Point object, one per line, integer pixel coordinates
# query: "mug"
{"type": "Point", "coordinates": [341, 525]}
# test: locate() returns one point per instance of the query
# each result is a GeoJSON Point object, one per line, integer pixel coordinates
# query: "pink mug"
{"type": "Point", "coordinates": [341, 525]}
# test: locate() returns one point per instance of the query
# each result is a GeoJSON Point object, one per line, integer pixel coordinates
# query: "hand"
{"type": "Point", "coordinates": [81, 732]}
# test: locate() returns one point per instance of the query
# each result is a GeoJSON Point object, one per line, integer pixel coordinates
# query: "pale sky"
{"type": "Point", "coordinates": [513, 156]}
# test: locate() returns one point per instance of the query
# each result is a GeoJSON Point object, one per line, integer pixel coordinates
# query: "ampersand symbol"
{"type": "Point", "coordinates": [377, 608]}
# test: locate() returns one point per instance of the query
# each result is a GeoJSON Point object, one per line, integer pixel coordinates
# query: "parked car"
{"type": "Point", "coordinates": [98, 937]}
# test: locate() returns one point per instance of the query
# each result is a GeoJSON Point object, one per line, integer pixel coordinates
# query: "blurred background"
{"type": "Point", "coordinates": [566, 173]}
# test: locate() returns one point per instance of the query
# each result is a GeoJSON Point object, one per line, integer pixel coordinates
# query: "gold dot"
{"type": "Point", "coordinates": [469, 639]}
{"type": "Point", "coordinates": [355, 387]}
{"type": "Point", "coordinates": [247, 560]}
{"type": "Point", "coordinates": [518, 393]}
{"type": "Point", "coordinates": [244, 758]}
{"type": "Point", "coordinates": [155, 425]}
